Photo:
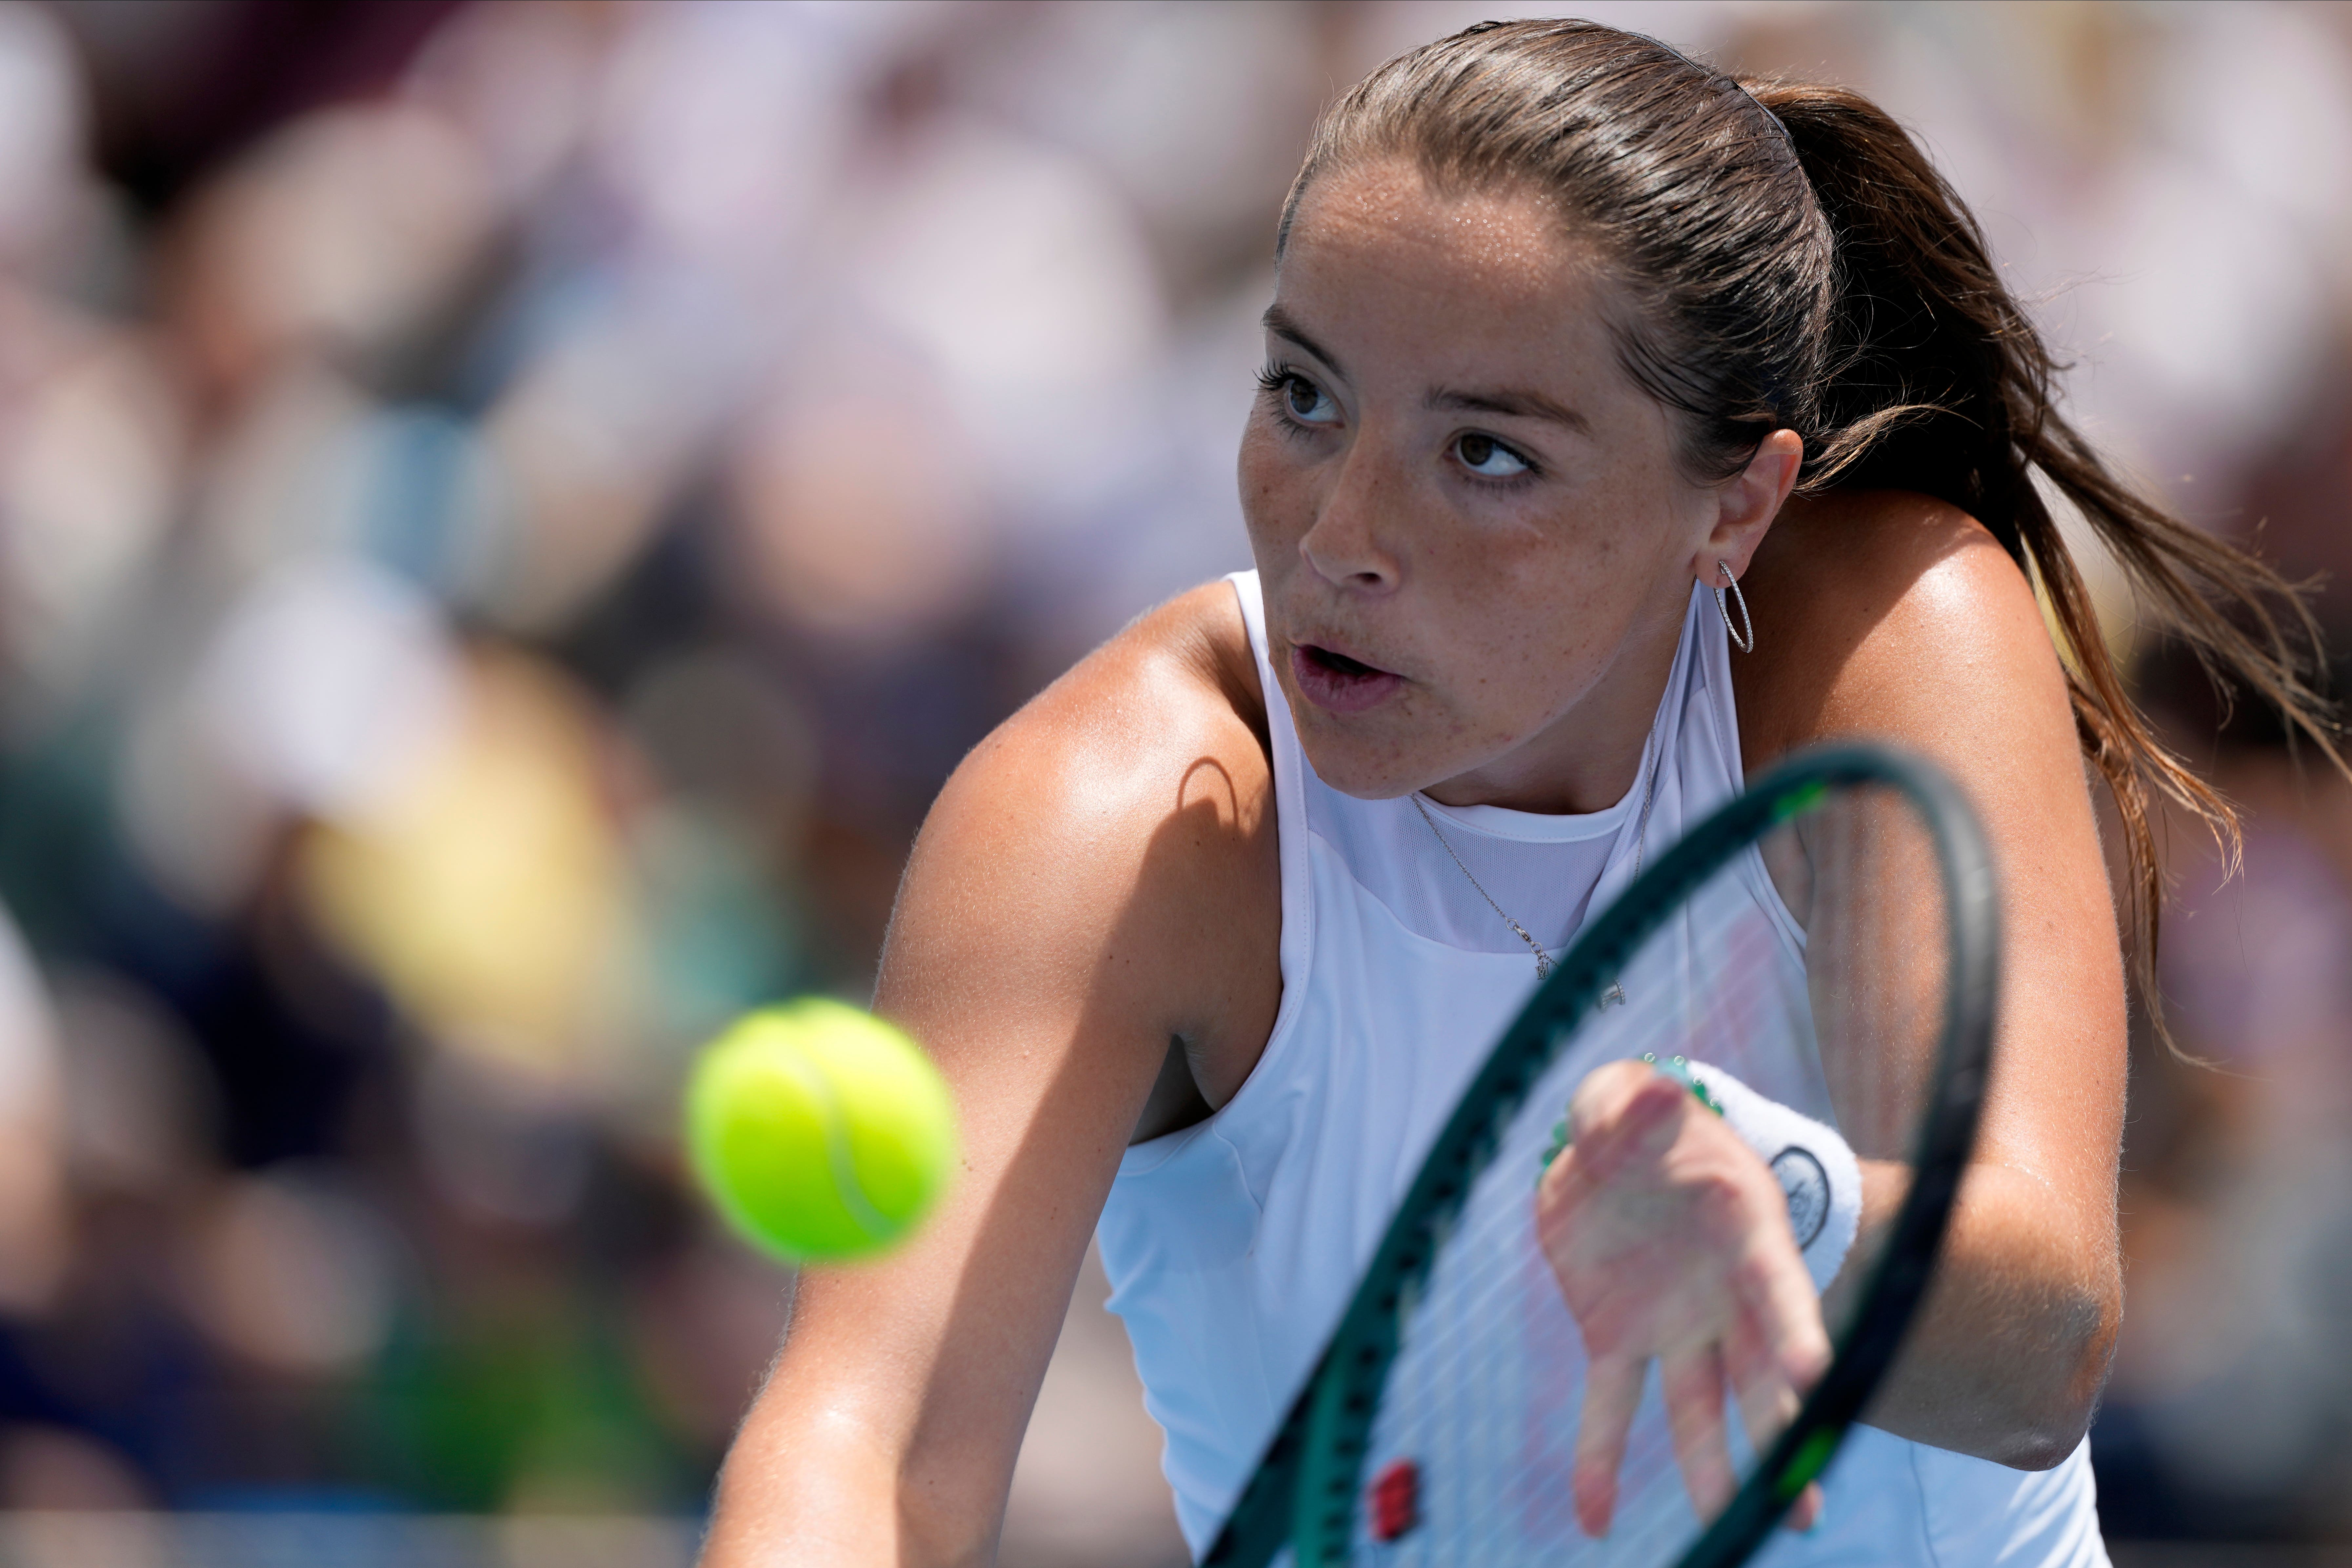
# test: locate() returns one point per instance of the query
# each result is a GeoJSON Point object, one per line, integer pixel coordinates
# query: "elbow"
{"type": "Point", "coordinates": [2049, 1419]}
{"type": "Point", "coordinates": [2045, 1446]}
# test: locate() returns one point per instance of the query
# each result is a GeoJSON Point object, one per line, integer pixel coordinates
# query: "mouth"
{"type": "Point", "coordinates": [1337, 682]}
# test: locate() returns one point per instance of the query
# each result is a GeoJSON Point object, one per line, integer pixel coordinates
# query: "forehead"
{"type": "Point", "coordinates": [1475, 278]}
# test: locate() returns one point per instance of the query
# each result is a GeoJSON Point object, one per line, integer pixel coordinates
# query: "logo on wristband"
{"type": "Point", "coordinates": [1807, 1187]}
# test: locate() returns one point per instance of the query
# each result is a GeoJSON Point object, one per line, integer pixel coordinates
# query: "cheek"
{"type": "Point", "coordinates": [1275, 508]}
{"type": "Point", "coordinates": [1528, 626]}
{"type": "Point", "coordinates": [1262, 469]}
{"type": "Point", "coordinates": [1526, 590]}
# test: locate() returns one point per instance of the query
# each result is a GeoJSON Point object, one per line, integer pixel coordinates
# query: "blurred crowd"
{"type": "Point", "coordinates": [508, 511]}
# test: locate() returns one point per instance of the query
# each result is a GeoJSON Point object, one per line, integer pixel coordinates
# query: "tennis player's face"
{"type": "Point", "coordinates": [1475, 547]}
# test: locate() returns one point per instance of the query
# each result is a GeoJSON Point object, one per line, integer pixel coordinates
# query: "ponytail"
{"type": "Point", "coordinates": [1937, 382]}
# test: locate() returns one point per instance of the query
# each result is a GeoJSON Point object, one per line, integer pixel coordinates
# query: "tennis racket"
{"type": "Point", "coordinates": [1440, 1424]}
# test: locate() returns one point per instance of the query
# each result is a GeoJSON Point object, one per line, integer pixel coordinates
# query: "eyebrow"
{"type": "Point", "coordinates": [1520, 403]}
{"type": "Point", "coordinates": [1516, 402]}
{"type": "Point", "coordinates": [1279, 322]}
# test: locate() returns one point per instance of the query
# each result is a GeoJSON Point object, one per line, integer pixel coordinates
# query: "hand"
{"type": "Point", "coordinates": [1670, 1239]}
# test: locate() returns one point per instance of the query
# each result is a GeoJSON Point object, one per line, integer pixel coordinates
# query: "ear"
{"type": "Point", "coordinates": [1745, 505]}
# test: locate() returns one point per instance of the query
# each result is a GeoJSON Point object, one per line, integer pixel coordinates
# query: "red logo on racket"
{"type": "Point", "coordinates": [1396, 1501]}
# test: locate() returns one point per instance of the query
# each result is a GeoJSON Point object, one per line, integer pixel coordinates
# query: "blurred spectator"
{"type": "Point", "coordinates": [509, 510]}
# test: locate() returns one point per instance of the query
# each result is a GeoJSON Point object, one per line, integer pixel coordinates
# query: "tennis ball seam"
{"type": "Point", "coordinates": [838, 1155]}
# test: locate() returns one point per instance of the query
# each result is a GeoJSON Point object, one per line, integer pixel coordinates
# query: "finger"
{"type": "Point", "coordinates": [1774, 1288]}
{"type": "Point", "coordinates": [1694, 1388]}
{"type": "Point", "coordinates": [1601, 1097]}
{"type": "Point", "coordinates": [1552, 1185]}
{"type": "Point", "coordinates": [1613, 1393]}
{"type": "Point", "coordinates": [1767, 1400]}
{"type": "Point", "coordinates": [1768, 1403]}
{"type": "Point", "coordinates": [1621, 1111]}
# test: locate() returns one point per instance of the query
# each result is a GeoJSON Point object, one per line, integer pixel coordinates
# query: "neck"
{"type": "Point", "coordinates": [1588, 756]}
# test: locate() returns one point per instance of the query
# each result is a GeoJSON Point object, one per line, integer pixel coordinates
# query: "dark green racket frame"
{"type": "Point", "coordinates": [1308, 1484]}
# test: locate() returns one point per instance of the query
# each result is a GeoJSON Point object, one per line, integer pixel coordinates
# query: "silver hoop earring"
{"type": "Point", "coordinates": [1747, 643]}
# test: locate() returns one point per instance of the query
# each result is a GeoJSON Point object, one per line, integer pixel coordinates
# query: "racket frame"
{"type": "Point", "coordinates": [1307, 1489]}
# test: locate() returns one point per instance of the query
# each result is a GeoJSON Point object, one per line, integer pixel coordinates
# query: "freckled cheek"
{"type": "Point", "coordinates": [1514, 657]}
{"type": "Point", "coordinates": [1274, 504]}
{"type": "Point", "coordinates": [1502, 609]}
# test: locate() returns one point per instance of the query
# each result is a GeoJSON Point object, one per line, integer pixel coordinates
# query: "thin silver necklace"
{"type": "Point", "coordinates": [1616, 992]}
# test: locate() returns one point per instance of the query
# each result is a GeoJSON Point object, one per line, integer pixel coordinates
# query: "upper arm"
{"type": "Point", "coordinates": [1061, 918]}
{"type": "Point", "coordinates": [1896, 617]}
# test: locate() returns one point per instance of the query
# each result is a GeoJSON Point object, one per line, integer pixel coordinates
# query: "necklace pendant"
{"type": "Point", "coordinates": [1612, 997]}
{"type": "Point", "coordinates": [1543, 963]}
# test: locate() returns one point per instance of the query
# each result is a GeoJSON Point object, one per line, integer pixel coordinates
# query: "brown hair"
{"type": "Point", "coordinates": [1793, 260]}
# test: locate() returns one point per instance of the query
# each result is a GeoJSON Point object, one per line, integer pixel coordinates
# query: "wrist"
{"type": "Point", "coordinates": [1819, 1179]}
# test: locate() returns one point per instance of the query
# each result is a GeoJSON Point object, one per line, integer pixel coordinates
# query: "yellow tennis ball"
{"type": "Point", "coordinates": [821, 1132]}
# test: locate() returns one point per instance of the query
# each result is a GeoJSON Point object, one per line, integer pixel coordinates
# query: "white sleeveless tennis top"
{"type": "Point", "coordinates": [1233, 1245]}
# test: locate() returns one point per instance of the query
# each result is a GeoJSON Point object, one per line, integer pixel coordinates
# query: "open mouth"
{"type": "Point", "coordinates": [1339, 663]}
{"type": "Point", "coordinates": [1333, 680]}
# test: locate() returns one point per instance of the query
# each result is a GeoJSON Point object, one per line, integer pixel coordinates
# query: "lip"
{"type": "Point", "coordinates": [1336, 691]}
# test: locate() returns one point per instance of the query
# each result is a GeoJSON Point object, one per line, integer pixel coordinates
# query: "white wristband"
{"type": "Point", "coordinates": [1816, 1168]}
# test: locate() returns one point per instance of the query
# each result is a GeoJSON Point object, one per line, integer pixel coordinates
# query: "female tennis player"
{"type": "Point", "coordinates": [1623, 426]}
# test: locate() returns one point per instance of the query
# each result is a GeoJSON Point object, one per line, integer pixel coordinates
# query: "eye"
{"type": "Point", "coordinates": [1489, 458]}
{"type": "Point", "coordinates": [1305, 402]}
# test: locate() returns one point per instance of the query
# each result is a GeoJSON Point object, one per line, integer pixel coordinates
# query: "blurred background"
{"type": "Point", "coordinates": [508, 512]}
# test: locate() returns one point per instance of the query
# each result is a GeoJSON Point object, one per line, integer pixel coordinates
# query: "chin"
{"type": "Point", "coordinates": [1364, 771]}
{"type": "Point", "coordinates": [1386, 753]}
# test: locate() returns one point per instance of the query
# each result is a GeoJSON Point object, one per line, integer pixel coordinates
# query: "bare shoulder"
{"type": "Point", "coordinates": [1103, 866]}
{"type": "Point", "coordinates": [1179, 683]}
{"type": "Point", "coordinates": [1890, 613]}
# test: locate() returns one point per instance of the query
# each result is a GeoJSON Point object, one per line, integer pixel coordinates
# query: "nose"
{"type": "Point", "coordinates": [1345, 546]}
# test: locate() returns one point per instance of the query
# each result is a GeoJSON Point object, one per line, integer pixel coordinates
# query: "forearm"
{"type": "Point", "coordinates": [819, 1488]}
{"type": "Point", "coordinates": [2010, 1350]}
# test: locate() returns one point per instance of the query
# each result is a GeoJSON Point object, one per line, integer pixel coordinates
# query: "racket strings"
{"type": "Point", "coordinates": [1483, 1402]}
{"type": "Point", "coordinates": [1483, 1399]}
